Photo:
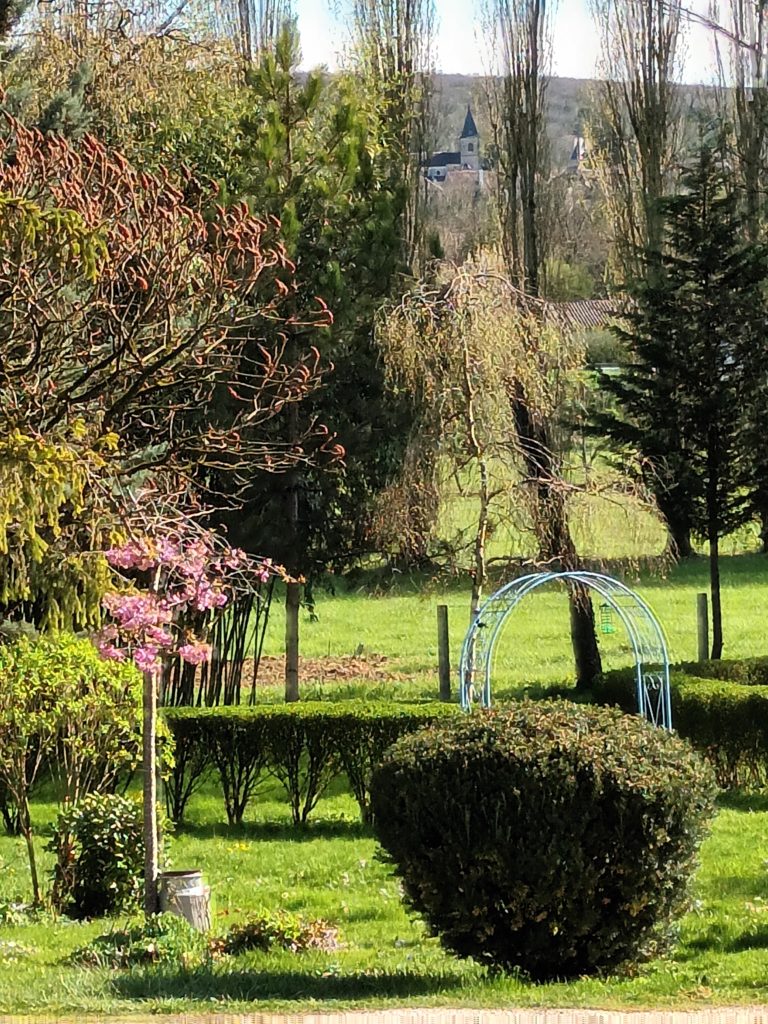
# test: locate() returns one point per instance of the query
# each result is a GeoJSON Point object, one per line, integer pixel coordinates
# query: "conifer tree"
{"type": "Point", "coordinates": [694, 332]}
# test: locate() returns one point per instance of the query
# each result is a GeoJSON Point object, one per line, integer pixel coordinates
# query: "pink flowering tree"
{"type": "Point", "coordinates": [162, 579]}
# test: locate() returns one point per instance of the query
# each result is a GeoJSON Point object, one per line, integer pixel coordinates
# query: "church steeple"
{"type": "Point", "coordinates": [469, 131]}
{"type": "Point", "coordinates": [469, 143]}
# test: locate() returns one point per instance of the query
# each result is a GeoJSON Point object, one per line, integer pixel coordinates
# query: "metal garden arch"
{"type": "Point", "coordinates": [645, 635]}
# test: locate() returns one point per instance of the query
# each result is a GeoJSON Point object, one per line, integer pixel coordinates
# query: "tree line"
{"type": "Point", "coordinates": [220, 283]}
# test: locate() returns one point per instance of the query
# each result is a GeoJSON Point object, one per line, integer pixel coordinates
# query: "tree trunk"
{"type": "Point", "coordinates": [556, 547]}
{"type": "Point", "coordinates": [292, 605]}
{"type": "Point", "coordinates": [764, 531]}
{"type": "Point", "coordinates": [149, 765]}
{"type": "Point", "coordinates": [586, 652]}
{"type": "Point", "coordinates": [714, 589]}
{"type": "Point", "coordinates": [679, 544]}
{"type": "Point", "coordinates": [26, 828]}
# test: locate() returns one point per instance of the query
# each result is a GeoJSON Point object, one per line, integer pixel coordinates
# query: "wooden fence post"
{"type": "Point", "coordinates": [443, 653]}
{"type": "Point", "coordinates": [702, 622]}
{"type": "Point", "coordinates": [292, 605]}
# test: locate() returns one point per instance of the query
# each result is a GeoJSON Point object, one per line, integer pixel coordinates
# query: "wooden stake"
{"type": "Point", "coordinates": [292, 605]}
{"type": "Point", "coordinates": [443, 653]}
{"type": "Point", "coordinates": [702, 622]}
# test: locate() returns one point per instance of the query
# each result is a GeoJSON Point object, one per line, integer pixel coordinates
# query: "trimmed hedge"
{"type": "Point", "coordinates": [720, 707]}
{"type": "Point", "coordinates": [304, 745]}
{"type": "Point", "coordinates": [554, 838]}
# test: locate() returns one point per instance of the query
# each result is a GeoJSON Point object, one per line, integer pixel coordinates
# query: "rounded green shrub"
{"type": "Point", "coordinates": [553, 838]}
{"type": "Point", "coordinates": [99, 849]}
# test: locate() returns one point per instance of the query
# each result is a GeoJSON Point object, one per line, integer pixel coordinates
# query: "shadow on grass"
{"type": "Point", "coordinates": [257, 984]}
{"type": "Point", "coordinates": [743, 800]}
{"type": "Point", "coordinates": [276, 830]}
{"type": "Point", "coordinates": [757, 939]}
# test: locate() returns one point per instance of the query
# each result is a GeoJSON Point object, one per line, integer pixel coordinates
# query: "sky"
{"type": "Point", "coordinates": [575, 51]}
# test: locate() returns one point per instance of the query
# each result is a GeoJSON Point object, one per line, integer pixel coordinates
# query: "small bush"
{"type": "Point", "coordinates": [282, 930]}
{"type": "Point", "coordinates": [162, 939]}
{"type": "Point", "coordinates": [99, 849]}
{"type": "Point", "coordinates": [554, 838]}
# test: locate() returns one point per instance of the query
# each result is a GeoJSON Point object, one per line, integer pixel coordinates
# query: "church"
{"type": "Point", "coordinates": [467, 158]}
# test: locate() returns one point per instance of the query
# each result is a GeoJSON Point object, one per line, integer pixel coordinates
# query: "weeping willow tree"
{"type": "Point", "coordinates": [469, 350]}
{"type": "Point", "coordinates": [519, 42]}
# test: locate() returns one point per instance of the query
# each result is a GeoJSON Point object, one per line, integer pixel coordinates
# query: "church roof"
{"type": "Point", "coordinates": [443, 159]}
{"type": "Point", "coordinates": [469, 131]}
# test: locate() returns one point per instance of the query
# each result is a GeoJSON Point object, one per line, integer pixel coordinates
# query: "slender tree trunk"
{"type": "Point", "coordinates": [26, 828]}
{"type": "Point", "coordinates": [292, 605]}
{"type": "Point", "coordinates": [149, 765]}
{"type": "Point", "coordinates": [764, 530]}
{"type": "Point", "coordinates": [714, 589]}
{"type": "Point", "coordinates": [478, 454]}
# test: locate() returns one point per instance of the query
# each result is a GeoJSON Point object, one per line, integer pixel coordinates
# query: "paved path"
{"type": "Point", "coordinates": [713, 1015]}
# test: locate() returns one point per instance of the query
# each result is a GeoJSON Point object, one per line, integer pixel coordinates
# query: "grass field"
{"type": "Point", "coordinates": [399, 624]}
{"type": "Point", "coordinates": [332, 871]}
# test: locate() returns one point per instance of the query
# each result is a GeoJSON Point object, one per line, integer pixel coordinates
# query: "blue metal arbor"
{"type": "Point", "coordinates": [645, 634]}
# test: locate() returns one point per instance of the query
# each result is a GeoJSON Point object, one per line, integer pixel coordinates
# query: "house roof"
{"type": "Point", "coordinates": [443, 159]}
{"type": "Point", "coordinates": [587, 314]}
{"type": "Point", "coordinates": [469, 131]}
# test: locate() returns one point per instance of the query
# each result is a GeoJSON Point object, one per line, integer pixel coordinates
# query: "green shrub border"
{"type": "Point", "coordinates": [720, 707]}
{"type": "Point", "coordinates": [305, 746]}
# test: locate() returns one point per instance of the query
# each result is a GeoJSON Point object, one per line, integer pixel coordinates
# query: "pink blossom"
{"type": "Point", "coordinates": [195, 654]}
{"type": "Point", "coordinates": [133, 555]}
{"type": "Point", "coordinates": [109, 652]}
{"type": "Point", "coordinates": [208, 597]}
{"type": "Point", "coordinates": [168, 551]}
{"type": "Point", "coordinates": [145, 658]}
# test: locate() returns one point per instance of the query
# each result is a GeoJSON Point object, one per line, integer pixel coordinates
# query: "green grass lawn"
{"type": "Point", "coordinates": [400, 623]}
{"type": "Point", "coordinates": [332, 871]}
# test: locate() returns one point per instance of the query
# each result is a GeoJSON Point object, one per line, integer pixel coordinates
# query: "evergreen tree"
{"type": "Point", "coordinates": [694, 333]}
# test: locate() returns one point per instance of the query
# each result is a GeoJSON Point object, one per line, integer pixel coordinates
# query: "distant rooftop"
{"type": "Point", "coordinates": [443, 159]}
{"type": "Point", "coordinates": [589, 314]}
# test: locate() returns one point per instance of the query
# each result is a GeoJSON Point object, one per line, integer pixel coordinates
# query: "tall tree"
{"type": "Point", "coordinates": [392, 54]}
{"type": "Point", "coordinates": [519, 36]}
{"type": "Point", "coordinates": [636, 137]}
{"type": "Point", "coordinates": [695, 335]}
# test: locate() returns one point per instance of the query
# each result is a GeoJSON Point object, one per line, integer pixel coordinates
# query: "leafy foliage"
{"type": "Point", "coordinates": [159, 939]}
{"type": "Point", "coordinates": [279, 930]}
{"type": "Point", "coordinates": [304, 745]}
{"type": "Point", "coordinates": [100, 856]}
{"type": "Point", "coordinates": [554, 838]}
{"type": "Point", "coordinates": [62, 707]}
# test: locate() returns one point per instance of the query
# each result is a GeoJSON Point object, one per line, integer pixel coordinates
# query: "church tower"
{"type": "Point", "coordinates": [469, 143]}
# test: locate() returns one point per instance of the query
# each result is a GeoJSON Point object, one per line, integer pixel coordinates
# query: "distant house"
{"type": "Point", "coordinates": [466, 158]}
{"type": "Point", "coordinates": [578, 154]}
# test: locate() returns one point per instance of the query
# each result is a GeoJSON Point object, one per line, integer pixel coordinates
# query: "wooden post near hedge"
{"type": "Point", "coordinates": [702, 624]}
{"type": "Point", "coordinates": [443, 653]}
{"type": "Point", "coordinates": [292, 605]}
